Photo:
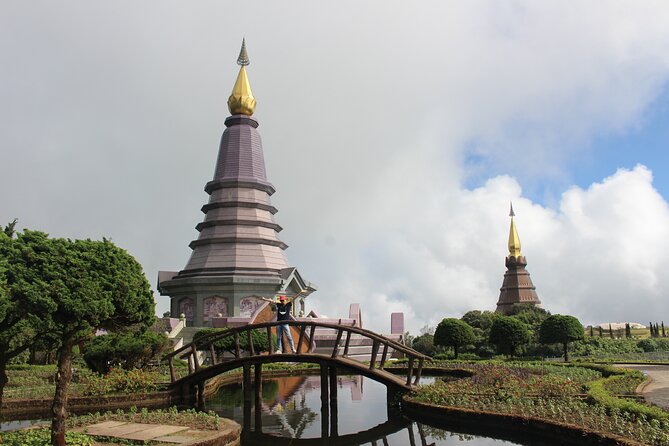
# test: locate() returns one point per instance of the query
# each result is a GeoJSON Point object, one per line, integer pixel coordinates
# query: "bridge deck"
{"type": "Point", "coordinates": [383, 376]}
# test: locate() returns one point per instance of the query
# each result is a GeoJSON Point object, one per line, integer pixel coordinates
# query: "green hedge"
{"type": "Point", "coordinates": [598, 394]}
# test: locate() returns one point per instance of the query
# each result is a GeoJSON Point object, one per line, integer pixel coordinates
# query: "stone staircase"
{"type": "Point", "coordinates": [187, 333]}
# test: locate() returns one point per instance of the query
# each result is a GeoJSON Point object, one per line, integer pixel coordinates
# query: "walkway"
{"type": "Point", "coordinates": [656, 389]}
{"type": "Point", "coordinates": [162, 433]}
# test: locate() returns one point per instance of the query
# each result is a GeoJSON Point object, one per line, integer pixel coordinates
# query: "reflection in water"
{"type": "Point", "coordinates": [290, 411]}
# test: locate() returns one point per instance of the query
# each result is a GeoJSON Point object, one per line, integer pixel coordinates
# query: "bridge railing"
{"type": "Point", "coordinates": [189, 352]}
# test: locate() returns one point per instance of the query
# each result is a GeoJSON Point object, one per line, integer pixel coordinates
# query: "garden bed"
{"type": "Point", "coordinates": [531, 394]}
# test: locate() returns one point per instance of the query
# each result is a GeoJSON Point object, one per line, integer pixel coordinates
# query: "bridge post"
{"type": "Point", "coordinates": [196, 362]}
{"type": "Point", "coordinates": [192, 397]}
{"type": "Point", "coordinates": [212, 352]}
{"type": "Point", "coordinates": [412, 439]}
{"type": "Point", "coordinates": [418, 372]}
{"type": "Point", "coordinates": [348, 341]}
{"type": "Point", "coordinates": [200, 395]}
{"type": "Point", "coordinates": [410, 371]}
{"type": "Point", "coordinates": [303, 328]}
{"type": "Point", "coordinates": [375, 351]}
{"type": "Point", "coordinates": [312, 329]}
{"type": "Point", "coordinates": [173, 375]}
{"type": "Point", "coordinates": [325, 408]}
{"type": "Point", "coordinates": [334, 421]}
{"type": "Point", "coordinates": [246, 386]}
{"type": "Point", "coordinates": [257, 382]}
{"type": "Point", "coordinates": [384, 356]}
{"type": "Point", "coordinates": [393, 400]}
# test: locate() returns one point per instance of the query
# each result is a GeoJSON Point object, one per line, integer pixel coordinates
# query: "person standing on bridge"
{"type": "Point", "coordinates": [283, 307]}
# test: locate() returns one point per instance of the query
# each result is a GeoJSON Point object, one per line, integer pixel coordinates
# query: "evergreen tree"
{"type": "Point", "coordinates": [453, 333]}
{"type": "Point", "coordinates": [561, 329]}
{"type": "Point", "coordinates": [628, 330]}
{"type": "Point", "coordinates": [664, 334]}
{"type": "Point", "coordinates": [509, 335]}
{"type": "Point", "coordinates": [611, 332]}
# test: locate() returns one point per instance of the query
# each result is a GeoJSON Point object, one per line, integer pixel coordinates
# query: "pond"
{"type": "Point", "coordinates": [290, 413]}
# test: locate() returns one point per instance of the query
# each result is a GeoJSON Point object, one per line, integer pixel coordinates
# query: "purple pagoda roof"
{"type": "Point", "coordinates": [238, 234]}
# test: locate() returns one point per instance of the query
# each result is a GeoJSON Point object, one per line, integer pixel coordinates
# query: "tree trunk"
{"type": "Point", "coordinates": [455, 349]}
{"type": "Point", "coordinates": [566, 352]}
{"type": "Point", "coordinates": [58, 409]}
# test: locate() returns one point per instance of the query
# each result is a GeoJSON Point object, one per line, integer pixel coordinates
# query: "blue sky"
{"type": "Point", "coordinates": [644, 142]}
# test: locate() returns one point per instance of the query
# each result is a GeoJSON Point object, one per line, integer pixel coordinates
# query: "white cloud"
{"type": "Point", "coordinates": [600, 257]}
{"type": "Point", "coordinates": [110, 118]}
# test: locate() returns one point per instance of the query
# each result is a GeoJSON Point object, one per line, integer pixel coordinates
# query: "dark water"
{"type": "Point", "coordinates": [291, 413]}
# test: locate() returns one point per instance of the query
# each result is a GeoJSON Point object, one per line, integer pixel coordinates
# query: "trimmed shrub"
{"type": "Point", "coordinates": [561, 329]}
{"type": "Point", "coordinates": [509, 335]}
{"type": "Point", "coordinates": [128, 350]}
{"type": "Point", "coordinates": [453, 333]}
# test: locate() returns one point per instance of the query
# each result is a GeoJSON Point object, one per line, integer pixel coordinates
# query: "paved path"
{"type": "Point", "coordinates": [160, 433]}
{"type": "Point", "coordinates": [656, 389]}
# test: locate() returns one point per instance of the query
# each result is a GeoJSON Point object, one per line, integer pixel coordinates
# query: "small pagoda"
{"type": "Point", "coordinates": [517, 287]}
{"type": "Point", "coordinates": [237, 256]}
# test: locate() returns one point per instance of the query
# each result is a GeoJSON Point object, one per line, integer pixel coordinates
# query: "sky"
{"type": "Point", "coordinates": [395, 136]}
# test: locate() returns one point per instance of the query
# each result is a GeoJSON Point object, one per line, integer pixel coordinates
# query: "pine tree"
{"type": "Point", "coordinates": [601, 332]}
{"type": "Point", "coordinates": [611, 332]}
{"type": "Point", "coordinates": [592, 334]}
{"type": "Point", "coordinates": [628, 330]}
{"type": "Point", "coordinates": [664, 333]}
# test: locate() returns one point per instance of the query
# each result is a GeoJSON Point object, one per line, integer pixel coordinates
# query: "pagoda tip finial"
{"type": "Point", "coordinates": [241, 101]}
{"type": "Point", "coordinates": [243, 58]}
{"type": "Point", "coordinates": [514, 240]}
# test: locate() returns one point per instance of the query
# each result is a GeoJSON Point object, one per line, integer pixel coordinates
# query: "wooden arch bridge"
{"type": "Point", "coordinates": [379, 433]}
{"type": "Point", "coordinates": [241, 352]}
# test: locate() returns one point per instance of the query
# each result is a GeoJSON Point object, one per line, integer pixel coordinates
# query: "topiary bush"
{"type": "Point", "coordinates": [454, 333]}
{"type": "Point", "coordinates": [509, 335]}
{"type": "Point", "coordinates": [127, 350]}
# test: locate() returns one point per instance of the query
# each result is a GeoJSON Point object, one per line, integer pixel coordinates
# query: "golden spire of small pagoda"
{"type": "Point", "coordinates": [514, 240]}
{"type": "Point", "coordinates": [241, 101]}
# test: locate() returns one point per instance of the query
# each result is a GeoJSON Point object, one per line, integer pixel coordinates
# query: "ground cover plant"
{"type": "Point", "coordinates": [582, 396]}
{"type": "Point", "coordinates": [42, 436]}
{"type": "Point", "coordinates": [190, 418]}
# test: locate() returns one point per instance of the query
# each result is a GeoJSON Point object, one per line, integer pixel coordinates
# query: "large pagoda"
{"type": "Point", "coordinates": [517, 287]}
{"type": "Point", "coordinates": [237, 255]}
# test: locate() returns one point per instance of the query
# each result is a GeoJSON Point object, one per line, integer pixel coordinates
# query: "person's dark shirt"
{"type": "Point", "coordinates": [283, 311]}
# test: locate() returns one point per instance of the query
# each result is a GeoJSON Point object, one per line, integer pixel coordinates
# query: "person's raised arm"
{"type": "Point", "coordinates": [292, 298]}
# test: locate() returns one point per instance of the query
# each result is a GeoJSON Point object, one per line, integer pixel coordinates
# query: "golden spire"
{"type": "Point", "coordinates": [514, 240]}
{"type": "Point", "coordinates": [241, 101]}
